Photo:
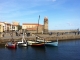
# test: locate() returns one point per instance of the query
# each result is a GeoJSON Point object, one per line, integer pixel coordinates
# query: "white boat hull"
{"type": "Point", "coordinates": [31, 42]}
{"type": "Point", "coordinates": [22, 44]}
{"type": "Point", "coordinates": [51, 43]}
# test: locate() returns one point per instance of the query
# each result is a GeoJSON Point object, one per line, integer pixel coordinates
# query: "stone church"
{"type": "Point", "coordinates": [35, 27]}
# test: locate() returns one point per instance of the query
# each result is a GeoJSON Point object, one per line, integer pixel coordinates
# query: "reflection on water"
{"type": "Point", "coordinates": [67, 50]}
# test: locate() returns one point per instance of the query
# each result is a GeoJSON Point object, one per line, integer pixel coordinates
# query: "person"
{"type": "Point", "coordinates": [16, 33]}
{"type": "Point", "coordinates": [36, 37]}
{"type": "Point", "coordinates": [3, 35]}
{"type": "Point", "coordinates": [78, 33]}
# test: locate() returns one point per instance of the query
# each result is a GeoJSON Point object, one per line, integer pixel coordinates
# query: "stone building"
{"type": "Point", "coordinates": [15, 26]}
{"type": "Point", "coordinates": [6, 27]}
{"type": "Point", "coordinates": [45, 25]}
{"type": "Point", "coordinates": [35, 27]}
{"type": "Point", "coordinates": [32, 27]}
{"type": "Point", "coordinates": [1, 27]}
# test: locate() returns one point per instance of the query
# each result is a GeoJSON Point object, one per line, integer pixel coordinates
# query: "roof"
{"type": "Point", "coordinates": [31, 24]}
{"type": "Point", "coordinates": [6, 23]}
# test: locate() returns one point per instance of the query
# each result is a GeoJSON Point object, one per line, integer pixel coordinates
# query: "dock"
{"type": "Point", "coordinates": [48, 37]}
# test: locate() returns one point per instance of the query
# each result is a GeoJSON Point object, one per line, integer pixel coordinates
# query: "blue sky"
{"type": "Point", "coordinates": [62, 14]}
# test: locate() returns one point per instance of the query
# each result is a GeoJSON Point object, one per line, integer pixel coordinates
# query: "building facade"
{"type": "Point", "coordinates": [6, 27]}
{"type": "Point", "coordinates": [45, 25]}
{"type": "Point", "coordinates": [35, 27]}
{"type": "Point", "coordinates": [32, 27]}
{"type": "Point", "coordinates": [1, 29]}
{"type": "Point", "coordinates": [15, 26]}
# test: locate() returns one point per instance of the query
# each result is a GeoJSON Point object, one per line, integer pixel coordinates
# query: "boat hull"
{"type": "Point", "coordinates": [51, 44]}
{"type": "Point", "coordinates": [37, 45]}
{"type": "Point", "coordinates": [22, 44]}
{"type": "Point", "coordinates": [31, 42]}
{"type": "Point", "coordinates": [11, 45]}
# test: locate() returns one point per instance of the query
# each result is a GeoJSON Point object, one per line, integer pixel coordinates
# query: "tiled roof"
{"type": "Point", "coordinates": [31, 24]}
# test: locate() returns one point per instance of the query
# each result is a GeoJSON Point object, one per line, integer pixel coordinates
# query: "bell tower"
{"type": "Point", "coordinates": [45, 25]}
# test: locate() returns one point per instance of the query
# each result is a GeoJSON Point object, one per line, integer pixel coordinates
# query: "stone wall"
{"type": "Point", "coordinates": [45, 25]}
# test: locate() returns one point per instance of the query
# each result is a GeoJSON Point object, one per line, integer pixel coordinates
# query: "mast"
{"type": "Point", "coordinates": [38, 24]}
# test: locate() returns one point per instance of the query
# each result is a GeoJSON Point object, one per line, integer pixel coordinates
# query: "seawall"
{"type": "Point", "coordinates": [43, 36]}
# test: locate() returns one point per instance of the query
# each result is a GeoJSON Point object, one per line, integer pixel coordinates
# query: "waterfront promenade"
{"type": "Point", "coordinates": [68, 36]}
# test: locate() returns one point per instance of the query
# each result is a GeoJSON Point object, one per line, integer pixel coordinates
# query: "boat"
{"type": "Point", "coordinates": [51, 43]}
{"type": "Point", "coordinates": [12, 44]}
{"type": "Point", "coordinates": [37, 44]}
{"type": "Point", "coordinates": [23, 43]}
{"type": "Point", "coordinates": [31, 42]}
{"type": "Point", "coordinates": [20, 42]}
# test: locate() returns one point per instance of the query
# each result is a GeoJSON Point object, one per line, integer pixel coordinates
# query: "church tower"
{"type": "Point", "coordinates": [45, 25]}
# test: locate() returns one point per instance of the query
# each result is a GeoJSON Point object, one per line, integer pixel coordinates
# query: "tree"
{"type": "Point", "coordinates": [19, 27]}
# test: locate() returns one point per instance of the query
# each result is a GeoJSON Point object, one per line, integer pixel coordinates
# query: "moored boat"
{"type": "Point", "coordinates": [11, 45]}
{"type": "Point", "coordinates": [38, 44]}
{"type": "Point", "coordinates": [31, 42]}
{"type": "Point", "coordinates": [20, 42]}
{"type": "Point", "coordinates": [51, 43]}
{"type": "Point", "coordinates": [23, 43]}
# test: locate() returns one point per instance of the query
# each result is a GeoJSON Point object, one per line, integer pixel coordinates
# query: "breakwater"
{"type": "Point", "coordinates": [43, 36]}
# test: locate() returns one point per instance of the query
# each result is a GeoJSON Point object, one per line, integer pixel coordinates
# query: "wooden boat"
{"type": "Point", "coordinates": [37, 44]}
{"type": "Point", "coordinates": [11, 45]}
{"type": "Point", "coordinates": [31, 42]}
{"type": "Point", "coordinates": [20, 42]}
{"type": "Point", "coordinates": [23, 43]}
{"type": "Point", "coordinates": [51, 43]}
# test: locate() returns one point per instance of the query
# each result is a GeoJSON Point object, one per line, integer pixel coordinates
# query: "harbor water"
{"type": "Point", "coordinates": [66, 50]}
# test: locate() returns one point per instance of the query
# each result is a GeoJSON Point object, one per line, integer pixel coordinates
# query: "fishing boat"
{"type": "Point", "coordinates": [23, 43]}
{"type": "Point", "coordinates": [20, 42]}
{"type": "Point", "coordinates": [37, 44]}
{"type": "Point", "coordinates": [51, 43]}
{"type": "Point", "coordinates": [31, 42]}
{"type": "Point", "coordinates": [12, 44]}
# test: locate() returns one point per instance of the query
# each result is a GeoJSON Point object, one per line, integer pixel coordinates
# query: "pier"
{"type": "Point", "coordinates": [69, 36]}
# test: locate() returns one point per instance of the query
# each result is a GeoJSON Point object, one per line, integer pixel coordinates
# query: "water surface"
{"type": "Point", "coordinates": [67, 50]}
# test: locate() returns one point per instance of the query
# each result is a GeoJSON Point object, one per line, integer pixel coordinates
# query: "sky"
{"type": "Point", "coordinates": [62, 14]}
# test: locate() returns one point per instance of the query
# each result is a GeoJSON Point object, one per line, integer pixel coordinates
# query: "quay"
{"type": "Point", "coordinates": [52, 37]}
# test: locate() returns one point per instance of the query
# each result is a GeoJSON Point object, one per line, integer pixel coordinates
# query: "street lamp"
{"type": "Point", "coordinates": [38, 23]}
